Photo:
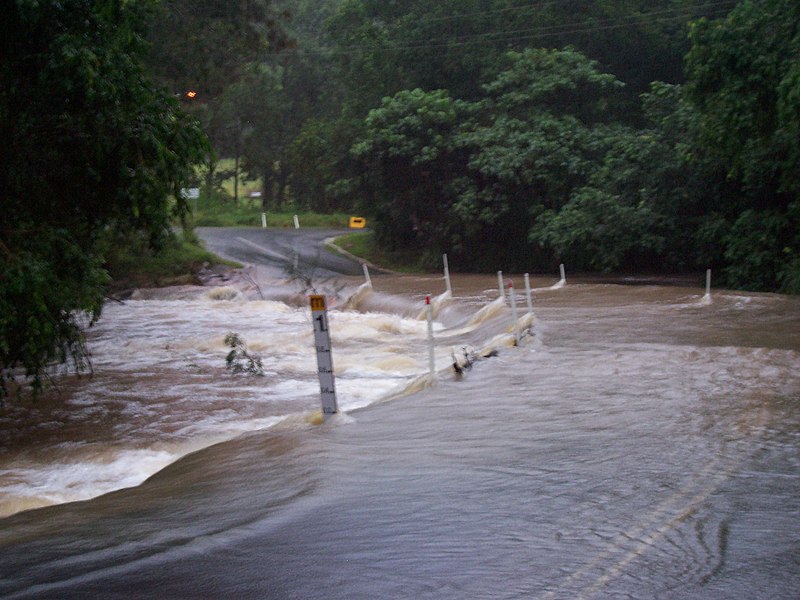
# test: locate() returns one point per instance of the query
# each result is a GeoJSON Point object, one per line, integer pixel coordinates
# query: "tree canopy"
{"type": "Point", "coordinates": [744, 77]}
{"type": "Point", "coordinates": [90, 145]}
{"type": "Point", "coordinates": [568, 153]}
{"type": "Point", "coordinates": [655, 135]}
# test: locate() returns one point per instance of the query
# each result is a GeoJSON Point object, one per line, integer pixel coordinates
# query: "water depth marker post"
{"type": "Point", "coordinates": [322, 342]}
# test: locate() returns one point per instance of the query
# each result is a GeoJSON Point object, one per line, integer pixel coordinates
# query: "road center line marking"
{"type": "Point", "coordinates": [260, 248]}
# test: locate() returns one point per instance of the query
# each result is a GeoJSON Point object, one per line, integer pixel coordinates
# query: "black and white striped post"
{"type": "Point", "coordinates": [322, 342]}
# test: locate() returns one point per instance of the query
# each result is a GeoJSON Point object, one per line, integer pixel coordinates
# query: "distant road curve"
{"type": "Point", "coordinates": [279, 251]}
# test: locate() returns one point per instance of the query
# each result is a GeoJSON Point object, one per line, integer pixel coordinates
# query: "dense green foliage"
{"type": "Point", "coordinates": [657, 135]}
{"type": "Point", "coordinates": [527, 157]}
{"type": "Point", "coordinates": [744, 76]}
{"type": "Point", "coordinates": [536, 171]}
{"type": "Point", "coordinates": [90, 148]}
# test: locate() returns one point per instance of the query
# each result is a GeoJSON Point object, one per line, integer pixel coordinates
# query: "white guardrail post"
{"type": "Point", "coordinates": [447, 275]}
{"type": "Point", "coordinates": [528, 294]}
{"type": "Point", "coordinates": [431, 356]}
{"type": "Point", "coordinates": [513, 299]}
{"type": "Point", "coordinates": [367, 278]}
{"type": "Point", "coordinates": [500, 285]}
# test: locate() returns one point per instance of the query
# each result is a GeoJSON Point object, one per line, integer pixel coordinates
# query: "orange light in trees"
{"type": "Point", "coordinates": [191, 94]}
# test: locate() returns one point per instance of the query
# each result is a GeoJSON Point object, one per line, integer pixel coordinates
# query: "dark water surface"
{"type": "Point", "coordinates": [642, 443]}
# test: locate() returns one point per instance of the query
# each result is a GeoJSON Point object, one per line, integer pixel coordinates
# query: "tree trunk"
{"type": "Point", "coordinates": [211, 167]}
{"type": "Point", "coordinates": [266, 190]}
{"type": "Point", "coordinates": [236, 180]}
{"type": "Point", "coordinates": [283, 177]}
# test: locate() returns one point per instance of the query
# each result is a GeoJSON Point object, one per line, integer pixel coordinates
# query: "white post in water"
{"type": "Point", "coordinates": [322, 341]}
{"type": "Point", "coordinates": [513, 298]}
{"type": "Point", "coordinates": [296, 222]}
{"type": "Point", "coordinates": [708, 283]}
{"type": "Point", "coordinates": [366, 274]}
{"type": "Point", "coordinates": [263, 220]}
{"type": "Point", "coordinates": [528, 295]}
{"type": "Point", "coordinates": [563, 274]}
{"type": "Point", "coordinates": [500, 285]}
{"type": "Point", "coordinates": [447, 275]}
{"type": "Point", "coordinates": [431, 357]}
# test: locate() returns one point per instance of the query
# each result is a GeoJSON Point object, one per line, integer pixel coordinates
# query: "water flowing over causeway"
{"type": "Point", "coordinates": [639, 442]}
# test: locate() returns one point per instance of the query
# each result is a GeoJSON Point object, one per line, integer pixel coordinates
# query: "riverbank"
{"type": "Point", "coordinates": [362, 246]}
{"type": "Point", "coordinates": [183, 260]}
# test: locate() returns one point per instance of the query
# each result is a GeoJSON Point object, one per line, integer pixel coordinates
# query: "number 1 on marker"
{"type": "Point", "coordinates": [322, 341]}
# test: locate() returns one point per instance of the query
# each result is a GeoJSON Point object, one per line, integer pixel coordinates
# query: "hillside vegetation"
{"type": "Point", "coordinates": [656, 136]}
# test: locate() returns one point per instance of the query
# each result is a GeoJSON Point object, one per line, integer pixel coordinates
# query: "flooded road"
{"type": "Point", "coordinates": [639, 443]}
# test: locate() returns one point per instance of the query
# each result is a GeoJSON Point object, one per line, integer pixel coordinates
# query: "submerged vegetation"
{"type": "Point", "coordinates": [239, 359]}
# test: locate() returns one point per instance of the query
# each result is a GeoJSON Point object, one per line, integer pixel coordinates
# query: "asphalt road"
{"type": "Point", "coordinates": [280, 251]}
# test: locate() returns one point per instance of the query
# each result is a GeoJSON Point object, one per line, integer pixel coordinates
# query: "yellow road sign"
{"type": "Point", "coordinates": [358, 222]}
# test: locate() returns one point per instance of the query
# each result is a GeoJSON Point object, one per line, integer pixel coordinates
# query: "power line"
{"type": "Point", "coordinates": [710, 9]}
{"type": "Point", "coordinates": [616, 21]}
{"type": "Point", "coordinates": [497, 11]}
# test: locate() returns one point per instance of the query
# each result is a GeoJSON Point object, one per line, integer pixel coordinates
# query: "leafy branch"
{"type": "Point", "coordinates": [239, 359]}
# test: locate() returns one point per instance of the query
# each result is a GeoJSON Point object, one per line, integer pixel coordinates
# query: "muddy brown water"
{"type": "Point", "coordinates": [641, 442]}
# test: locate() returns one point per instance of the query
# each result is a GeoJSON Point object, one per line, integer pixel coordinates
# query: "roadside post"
{"type": "Point", "coordinates": [431, 356]}
{"type": "Point", "coordinates": [528, 295]}
{"type": "Point", "coordinates": [367, 278]}
{"type": "Point", "coordinates": [500, 286]}
{"type": "Point", "coordinates": [447, 284]}
{"type": "Point", "coordinates": [322, 342]}
{"type": "Point", "coordinates": [513, 299]}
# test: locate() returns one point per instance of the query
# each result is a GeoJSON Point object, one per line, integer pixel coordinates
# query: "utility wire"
{"type": "Point", "coordinates": [620, 21]}
{"type": "Point", "coordinates": [711, 9]}
{"type": "Point", "coordinates": [497, 11]}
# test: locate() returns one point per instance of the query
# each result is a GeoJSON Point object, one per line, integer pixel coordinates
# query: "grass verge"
{"type": "Point", "coordinates": [362, 244]}
{"type": "Point", "coordinates": [131, 264]}
{"type": "Point", "coordinates": [219, 210]}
